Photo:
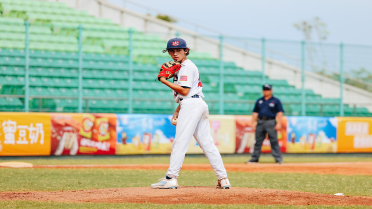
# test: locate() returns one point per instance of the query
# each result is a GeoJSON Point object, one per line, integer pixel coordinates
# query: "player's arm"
{"type": "Point", "coordinates": [179, 89]}
{"type": "Point", "coordinates": [254, 121]}
{"type": "Point", "coordinates": [279, 117]}
{"type": "Point", "coordinates": [255, 116]}
{"type": "Point", "coordinates": [175, 115]}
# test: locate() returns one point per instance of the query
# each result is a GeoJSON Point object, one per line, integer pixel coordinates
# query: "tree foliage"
{"type": "Point", "coordinates": [166, 18]}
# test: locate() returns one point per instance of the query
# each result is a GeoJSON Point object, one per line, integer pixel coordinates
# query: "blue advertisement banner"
{"type": "Point", "coordinates": [144, 134]}
{"type": "Point", "coordinates": [312, 134]}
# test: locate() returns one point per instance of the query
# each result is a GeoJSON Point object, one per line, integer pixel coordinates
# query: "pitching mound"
{"type": "Point", "coordinates": [183, 195]}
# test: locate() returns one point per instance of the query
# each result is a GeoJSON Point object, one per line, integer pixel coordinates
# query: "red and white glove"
{"type": "Point", "coordinates": [168, 69]}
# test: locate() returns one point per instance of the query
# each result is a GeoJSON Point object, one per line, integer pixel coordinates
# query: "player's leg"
{"type": "Point", "coordinates": [203, 136]}
{"type": "Point", "coordinates": [260, 137]}
{"type": "Point", "coordinates": [186, 123]}
{"type": "Point", "coordinates": [273, 137]}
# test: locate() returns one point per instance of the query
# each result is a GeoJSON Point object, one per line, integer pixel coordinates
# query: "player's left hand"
{"type": "Point", "coordinates": [168, 69]}
{"type": "Point", "coordinates": [278, 126]}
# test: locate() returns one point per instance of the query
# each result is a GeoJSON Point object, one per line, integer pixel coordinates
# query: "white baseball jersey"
{"type": "Point", "coordinates": [188, 77]}
{"type": "Point", "coordinates": [193, 120]}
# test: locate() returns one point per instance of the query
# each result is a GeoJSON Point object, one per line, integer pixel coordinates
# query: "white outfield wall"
{"type": "Point", "coordinates": [243, 58]}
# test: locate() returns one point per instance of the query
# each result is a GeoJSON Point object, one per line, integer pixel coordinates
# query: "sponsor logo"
{"type": "Point", "coordinates": [260, 102]}
{"type": "Point", "coordinates": [361, 141]}
{"type": "Point", "coordinates": [353, 128]}
{"type": "Point", "coordinates": [183, 78]}
{"type": "Point", "coordinates": [272, 104]}
{"type": "Point", "coordinates": [175, 43]}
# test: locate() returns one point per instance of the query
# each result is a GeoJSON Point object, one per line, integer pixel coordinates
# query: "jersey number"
{"type": "Point", "coordinates": [200, 83]}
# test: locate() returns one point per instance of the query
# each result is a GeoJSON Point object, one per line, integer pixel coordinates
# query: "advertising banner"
{"type": "Point", "coordinates": [312, 135]}
{"type": "Point", "coordinates": [354, 134]}
{"type": "Point", "coordinates": [222, 128]}
{"type": "Point", "coordinates": [246, 138]}
{"type": "Point", "coordinates": [24, 134]}
{"type": "Point", "coordinates": [144, 134]}
{"type": "Point", "coordinates": [83, 134]}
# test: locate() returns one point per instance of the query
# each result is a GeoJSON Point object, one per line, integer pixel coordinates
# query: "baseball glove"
{"type": "Point", "coordinates": [168, 69]}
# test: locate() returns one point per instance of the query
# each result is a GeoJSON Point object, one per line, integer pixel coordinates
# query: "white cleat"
{"type": "Point", "coordinates": [223, 184]}
{"type": "Point", "coordinates": [166, 184]}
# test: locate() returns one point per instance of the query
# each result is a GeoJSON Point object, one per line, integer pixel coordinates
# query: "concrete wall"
{"type": "Point", "coordinates": [245, 59]}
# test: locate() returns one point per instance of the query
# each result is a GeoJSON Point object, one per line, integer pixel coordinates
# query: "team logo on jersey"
{"type": "Point", "coordinates": [260, 101]}
{"type": "Point", "coordinates": [183, 78]}
{"type": "Point", "coordinates": [175, 43]}
{"type": "Point", "coordinates": [272, 104]}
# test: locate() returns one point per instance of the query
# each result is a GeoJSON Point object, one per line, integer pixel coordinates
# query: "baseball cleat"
{"type": "Point", "coordinates": [252, 162]}
{"type": "Point", "coordinates": [223, 184]}
{"type": "Point", "coordinates": [166, 184]}
{"type": "Point", "coordinates": [279, 162]}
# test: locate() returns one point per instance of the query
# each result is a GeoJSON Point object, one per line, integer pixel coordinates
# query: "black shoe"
{"type": "Point", "coordinates": [279, 162]}
{"type": "Point", "coordinates": [251, 162]}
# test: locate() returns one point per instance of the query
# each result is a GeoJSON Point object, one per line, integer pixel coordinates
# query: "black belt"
{"type": "Point", "coordinates": [195, 96]}
{"type": "Point", "coordinates": [266, 118]}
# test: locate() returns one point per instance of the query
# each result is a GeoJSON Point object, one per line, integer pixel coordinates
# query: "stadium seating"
{"type": "Point", "coordinates": [54, 68]}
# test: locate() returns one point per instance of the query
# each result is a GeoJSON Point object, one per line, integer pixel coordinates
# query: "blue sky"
{"type": "Point", "coordinates": [348, 21]}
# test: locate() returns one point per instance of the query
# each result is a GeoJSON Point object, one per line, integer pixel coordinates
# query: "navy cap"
{"type": "Point", "coordinates": [267, 87]}
{"type": "Point", "coordinates": [176, 43]}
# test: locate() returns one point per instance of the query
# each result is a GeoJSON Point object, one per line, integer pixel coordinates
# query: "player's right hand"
{"type": "Point", "coordinates": [254, 128]}
{"type": "Point", "coordinates": [175, 115]}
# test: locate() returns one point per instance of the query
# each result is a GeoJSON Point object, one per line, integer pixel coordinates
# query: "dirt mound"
{"type": "Point", "coordinates": [183, 195]}
{"type": "Point", "coordinates": [364, 168]}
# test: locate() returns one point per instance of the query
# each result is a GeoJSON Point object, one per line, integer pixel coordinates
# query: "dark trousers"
{"type": "Point", "coordinates": [262, 128]}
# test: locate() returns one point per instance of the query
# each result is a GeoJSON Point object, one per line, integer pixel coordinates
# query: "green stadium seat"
{"type": "Point", "coordinates": [7, 60]}
{"type": "Point", "coordinates": [10, 70]}
{"type": "Point", "coordinates": [363, 112]}
{"type": "Point", "coordinates": [38, 91]}
{"type": "Point", "coordinates": [121, 93]}
{"type": "Point", "coordinates": [210, 87]}
{"type": "Point", "coordinates": [230, 96]}
{"type": "Point", "coordinates": [211, 96]}
{"type": "Point", "coordinates": [11, 104]}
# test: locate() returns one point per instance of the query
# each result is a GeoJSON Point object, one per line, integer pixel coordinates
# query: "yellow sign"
{"type": "Point", "coordinates": [354, 134]}
{"type": "Point", "coordinates": [24, 134]}
{"type": "Point", "coordinates": [222, 129]}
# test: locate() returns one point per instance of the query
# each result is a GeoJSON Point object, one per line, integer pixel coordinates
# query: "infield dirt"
{"type": "Point", "coordinates": [361, 168]}
{"type": "Point", "coordinates": [183, 195]}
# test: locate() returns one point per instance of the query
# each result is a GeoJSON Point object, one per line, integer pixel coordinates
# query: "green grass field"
{"type": "Point", "coordinates": [80, 179]}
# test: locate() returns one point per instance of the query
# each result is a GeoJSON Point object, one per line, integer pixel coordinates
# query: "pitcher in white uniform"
{"type": "Point", "coordinates": [192, 116]}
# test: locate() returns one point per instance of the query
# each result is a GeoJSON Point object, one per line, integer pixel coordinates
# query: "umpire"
{"type": "Point", "coordinates": [267, 109]}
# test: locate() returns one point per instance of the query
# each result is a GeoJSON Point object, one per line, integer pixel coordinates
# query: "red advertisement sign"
{"type": "Point", "coordinates": [83, 134]}
{"type": "Point", "coordinates": [246, 138]}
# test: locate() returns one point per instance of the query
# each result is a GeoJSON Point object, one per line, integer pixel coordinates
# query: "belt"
{"type": "Point", "coordinates": [195, 96]}
{"type": "Point", "coordinates": [267, 118]}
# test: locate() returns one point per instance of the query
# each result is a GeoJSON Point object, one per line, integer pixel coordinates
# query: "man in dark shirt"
{"type": "Point", "coordinates": [267, 109]}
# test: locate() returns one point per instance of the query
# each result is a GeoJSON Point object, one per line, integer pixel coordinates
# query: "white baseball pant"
{"type": "Point", "coordinates": [193, 119]}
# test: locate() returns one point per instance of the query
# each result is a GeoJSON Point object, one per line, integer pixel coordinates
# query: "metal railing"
{"type": "Point", "coordinates": [263, 50]}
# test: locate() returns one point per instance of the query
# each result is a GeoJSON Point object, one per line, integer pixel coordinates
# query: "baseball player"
{"type": "Point", "coordinates": [192, 115]}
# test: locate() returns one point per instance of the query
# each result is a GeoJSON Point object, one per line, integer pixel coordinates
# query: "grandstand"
{"type": "Point", "coordinates": [54, 65]}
